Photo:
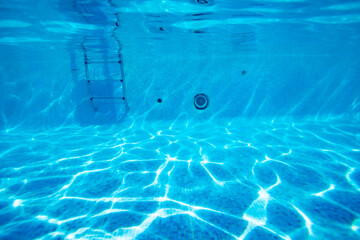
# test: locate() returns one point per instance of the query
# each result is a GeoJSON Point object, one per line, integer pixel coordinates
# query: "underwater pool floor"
{"type": "Point", "coordinates": [203, 181]}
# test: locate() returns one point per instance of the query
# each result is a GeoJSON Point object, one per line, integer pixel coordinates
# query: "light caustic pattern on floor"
{"type": "Point", "coordinates": [209, 181]}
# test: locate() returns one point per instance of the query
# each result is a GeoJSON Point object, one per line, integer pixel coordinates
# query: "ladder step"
{"type": "Point", "coordinates": [107, 80]}
{"type": "Point", "coordinates": [105, 98]}
{"type": "Point", "coordinates": [90, 62]}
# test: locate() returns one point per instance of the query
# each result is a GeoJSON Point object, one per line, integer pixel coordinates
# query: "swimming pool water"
{"type": "Point", "coordinates": [209, 180]}
{"type": "Point", "coordinates": [100, 137]}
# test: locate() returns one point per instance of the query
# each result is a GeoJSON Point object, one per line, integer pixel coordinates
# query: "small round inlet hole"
{"type": "Point", "coordinates": [202, 1]}
{"type": "Point", "coordinates": [159, 100]}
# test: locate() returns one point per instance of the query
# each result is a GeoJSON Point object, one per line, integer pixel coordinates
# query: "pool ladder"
{"type": "Point", "coordinates": [104, 87]}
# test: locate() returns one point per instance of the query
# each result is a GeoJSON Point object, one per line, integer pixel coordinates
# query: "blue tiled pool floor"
{"type": "Point", "coordinates": [187, 181]}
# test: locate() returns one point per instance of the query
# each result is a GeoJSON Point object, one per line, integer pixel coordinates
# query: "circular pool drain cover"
{"type": "Point", "coordinates": [201, 101]}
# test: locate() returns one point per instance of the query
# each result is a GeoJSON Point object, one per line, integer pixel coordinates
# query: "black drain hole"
{"type": "Point", "coordinates": [202, 1]}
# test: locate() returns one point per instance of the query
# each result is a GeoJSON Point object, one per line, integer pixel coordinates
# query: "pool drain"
{"type": "Point", "coordinates": [202, 1]}
{"type": "Point", "coordinates": [201, 101]}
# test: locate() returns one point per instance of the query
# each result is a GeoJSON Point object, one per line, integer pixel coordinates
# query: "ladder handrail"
{"type": "Point", "coordinates": [121, 61]}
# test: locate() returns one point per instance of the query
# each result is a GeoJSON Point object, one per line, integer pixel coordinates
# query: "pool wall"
{"type": "Point", "coordinates": [250, 67]}
{"type": "Point", "coordinates": [48, 87]}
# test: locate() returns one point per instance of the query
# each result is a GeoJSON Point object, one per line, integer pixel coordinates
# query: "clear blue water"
{"type": "Point", "coordinates": [275, 155]}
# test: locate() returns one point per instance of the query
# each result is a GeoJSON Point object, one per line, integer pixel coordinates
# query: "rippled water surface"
{"type": "Point", "coordinates": [210, 180]}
